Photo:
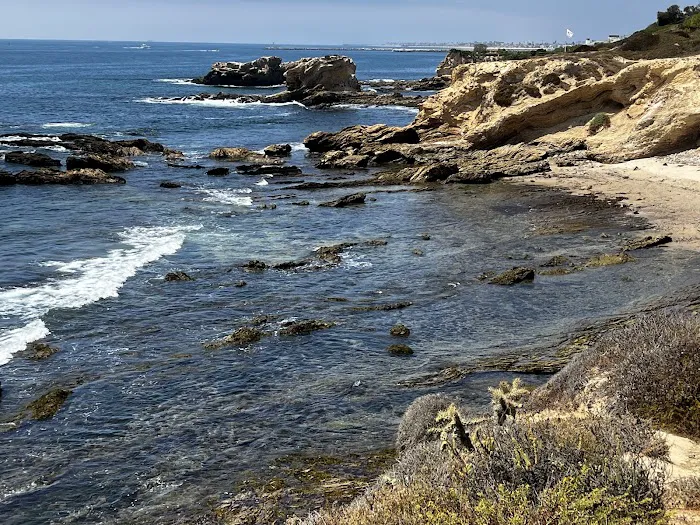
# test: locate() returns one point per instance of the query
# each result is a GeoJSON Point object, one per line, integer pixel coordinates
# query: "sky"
{"type": "Point", "coordinates": [324, 21]}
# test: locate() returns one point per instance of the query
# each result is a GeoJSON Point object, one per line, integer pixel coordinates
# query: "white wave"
{"type": "Point", "coordinates": [298, 146]}
{"type": "Point", "coordinates": [381, 81]}
{"type": "Point", "coordinates": [90, 281]}
{"type": "Point", "coordinates": [58, 149]}
{"type": "Point", "coordinates": [413, 111]}
{"type": "Point", "coordinates": [227, 196]}
{"type": "Point", "coordinates": [17, 138]}
{"type": "Point", "coordinates": [49, 125]}
{"type": "Point", "coordinates": [200, 50]}
{"type": "Point", "coordinates": [237, 103]}
{"type": "Point", "coordinates": [262, 182]}
{"type": "Point", "coordinates": [16, 339]}
{"type": "Point", "coordinates": [355, 261]}
{"type": "Point", "coordinates": [178, 81]}
{"type": "Point", "coordinates": [233, 86]}
{"type": "Point", "coordinates": [140, 163]}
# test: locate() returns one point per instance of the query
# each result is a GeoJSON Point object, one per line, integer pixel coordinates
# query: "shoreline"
{"type": "Point", "coordinates": [665, 190]}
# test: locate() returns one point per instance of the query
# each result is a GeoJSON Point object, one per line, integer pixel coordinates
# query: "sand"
{"type": "Point", "coordinates": [665, 190]}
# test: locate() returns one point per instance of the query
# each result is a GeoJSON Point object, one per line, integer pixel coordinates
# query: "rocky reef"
{"type": "Point", "coordinates": [265, 71]}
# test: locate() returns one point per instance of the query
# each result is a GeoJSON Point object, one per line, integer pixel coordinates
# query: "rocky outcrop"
{"type": "Point", "coordinates": [278, 150]}
{"type": "Point", "coordinates": [240, 155]}
{"type": "Point", "coordinates": [454, 58]}
{"type": "Point", "coordinates": [347, 200]}
{"type": "Point", "coordinates": [265, 71]}
{"type": "Point", "coordinates": [105, 163]}
{"type": "Point", "coordinates": [36, 160]}
{"type": "Point", "coordinates": [329, 73]}
{"type": "Point", "coordinates": [49, 176]}
{"type": "Point", "coordinates": [355, 137]}
{"type": "Point", "coordinates": [652, 105]}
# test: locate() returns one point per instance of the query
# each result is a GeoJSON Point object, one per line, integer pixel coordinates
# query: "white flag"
{"type": "Point", "coordinates": [569, 33]}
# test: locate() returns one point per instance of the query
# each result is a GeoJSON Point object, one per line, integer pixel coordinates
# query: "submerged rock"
{"type": "Point", "coordinates": [348, 200]}
{"type": "Point", "coordinates": [269, 170]}
{"type": "Point", "coordinates": [242, 337]}
{"type": "Point", "coordinates": [608, 259]}
{"type": "Point", "coordinates": [305, 327]}
{"type": "Point", "coordinates": [218, 172]}
{"type": "Point", "coordinates": [400, 350]}
{"type": "Point", "coordinates": [105, 163]}
{"type": "Point", "coordinates": [38, 351]}
{"type": "Point", "coordinates": [400, 331]}
{"type": "Point", "coordinates": [514, 276]}
{"type": "Point", "coordinates": [170, 185]}
{"type": "Point", "coordinates": [278, 150]}
{"type": "Point", "coordinates": [384, 307]}
{"type": "Point", "coordinates": [49, 404]}
{"type": "Point", "coordinates": [36, 160]}
{"type": "Point", "coordinates": [647, 242]}
{"type": "Point", "coordinates": [254, 266]}
{"type": "Point", "coordinates": [177, 276]}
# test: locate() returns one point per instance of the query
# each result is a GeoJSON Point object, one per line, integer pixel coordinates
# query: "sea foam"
{"type": "Point", "coordinates": [84, 281]}
{"type": "Point", "coordinates": [228, 103]}
{"type": "Point", "coordinates": [235, 197]}
{"type": "Point", "coordinates": [50, 125]}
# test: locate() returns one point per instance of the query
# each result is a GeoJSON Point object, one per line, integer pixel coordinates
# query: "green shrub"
{"type": "Point", "coordinates": [692, 22]}
{"type": "Point", "coordinates": [600, 121]}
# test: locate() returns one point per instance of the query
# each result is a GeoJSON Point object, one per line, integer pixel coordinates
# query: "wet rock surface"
{"type": "Point", "coordinates": [647, 242]}
{"type": "Point", "coordinates": [400, 350]}
{"type": "Point", "coordinates": [514, 276]}
{"type": "Point", "coordinates": [178, 277]}
{"type": "Point", "coordinates": [304, 327]}
{"type": "Point", "coordinates": [400, 330]}
{"type": "Point", "coordinates": [278, 150]}
{"type": "Point", "coordinates": [106, 163]}
{"type": "Point", "coordinates": [244, 336]}
{"type": "Point", "coordinates": [38, 351]}
{"type": "Point", "coordinates": [49, 176]}
{"type": "Point", "coordinates": [348, 200]}
{"type": "Point", "coordinates": [36, 160]}
{"type": "Point", "coordinates": [48, 405]}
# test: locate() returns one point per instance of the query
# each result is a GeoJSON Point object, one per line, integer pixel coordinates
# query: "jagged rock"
{"type": "Point", "coordinates": [653, 105]}
{"type": "Point", "coordinates": [400, 350]}
{"type": "Point", "coordinates": [278, 150]}
{"type": "Point", "coordinates": [454, 58]}
{"type": "Point", "coordinates": [304, 327]}
{"type": "Point", "coordinates": [49, 404]}
{"type": "Point", "coordinates": [257, 169]}
{"type": "Point", "coordinates": [340, 160]}
{"type": "Point", "coordinates": [38, 351]}
{"type": "Point", "coordinates": [239, 155]}
{"type": "Point", "coordinates": [49, 176]}
{"type": "Point", "coordinates": [355, 137]}
{"type": "Point", "coordinates": [331, 254]}
{"type": "Point", "coordinates": [433, 172]}
{"type": "Point", "coordinates": [254, 266]}
{"type": "Point", "coordinates": [170, 185]}
{"type": "Point", "coordinates": [36, 160]}
{"type": "Point", "coordinates": [265, 71]}
{"type": "Point", "coordinates": [514, 276]}
{"type": "Point", "coordinates": [146, 146]}
{"type": "Point", "coordinates": [178, 276]}
{"type": "Point", "coordinates": [331, 73]}
{"type": "Point", "coordinates": [400, 331]}
{"type": "Point", "coordinates": [218, 172]}
{"type": "Point", "coordinates": [348, 200]}
{"type": "Point", "coordinates": [647, 242]}
{"type": "Point", "coordinates": [99, 162]}
{"type": "Point", "coordinates": [242, 337]}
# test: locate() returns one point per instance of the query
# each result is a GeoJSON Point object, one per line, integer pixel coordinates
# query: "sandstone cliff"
{"type": "Point", "coordinates": [644, 108]}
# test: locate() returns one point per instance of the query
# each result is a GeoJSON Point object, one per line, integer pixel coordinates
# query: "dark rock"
{"type": "Point", "coordinates": [400, 350]}
{"type": "Point", "coordinates": [384, 307]}
{"type": "Point", "coordinates": [177, 276]}
{"type": "Point", "coordinates": [425, 236]}
{"type": "Point", "coordinates": [49, 404]}
{"type": "Point", "coordinates": [647, 242]}
{"type": "Point", "coordinates": [38, 351]}
{"type": "Point", "coordinates": [301, 203]}
{"type": "Point", "coordinates": [331, 254]}
{"type": "Point", "coordinates": [242, 337]}
{"type": "Point", "coordinates": [186, 166]}
{"type": "Point", "coordinates": [278, 150]}
{"type": "Point", "coordinates": [557, 260]}
{"type": "Point", "coordinates": [356, 137]}
{"type": "Point", "coordinates": [170, 185]}
{"type": "Point", "coordinates": [400, 331]}
{"type": "Point", "coordinates": [218, 172]}
{"type": "Point", "coordinates": [265, 71]}
{"type": "Point", "coordinates": [305, 327]}
{"type": "Point", "coordinates": [348, 200]}
{"type": "Point", "coordinates": [514, 276]}
{"type": "Point", "coordinates": [255, 266]}
{"type": "Point", "coordinates": [36, 160]}
{"type": "Point", "coordinates": [269, 170]}
{"type": "Point", "coordinates": [240, 284]}
{"type": "Point", "coordinates": [376, 242]}
{"type": "Point", "coordinates": [290, 265]}
{"type": "Point", "coordinates": [99, 162]}
{"type": "Point", "coordinates": [49, 176]}
{"type": "Point", "coordinates": [418, 253]}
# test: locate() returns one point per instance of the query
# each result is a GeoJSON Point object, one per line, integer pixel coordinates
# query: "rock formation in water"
{"type": "Point", "coordinates": [455, 58]}
{"type": "Point", "coordinates": [331, 73]}
{"type": "Point", "coordinates": [513, 118]}
{"type": "Point", "coordinates": [265, 71]}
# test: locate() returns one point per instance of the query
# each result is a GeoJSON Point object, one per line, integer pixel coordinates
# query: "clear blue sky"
{"type": "Point", "coordinates": [323, 21]}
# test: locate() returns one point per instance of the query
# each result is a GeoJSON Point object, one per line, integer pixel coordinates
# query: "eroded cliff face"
{"type": "Point", "coordinates": [653, 106]}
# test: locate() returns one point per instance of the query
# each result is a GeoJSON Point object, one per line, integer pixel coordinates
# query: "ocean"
{"type": "Point", "coordinates": [159, 427]}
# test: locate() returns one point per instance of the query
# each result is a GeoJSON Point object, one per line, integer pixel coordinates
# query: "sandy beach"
{"type": "Point", "coordinates": [665, 190]}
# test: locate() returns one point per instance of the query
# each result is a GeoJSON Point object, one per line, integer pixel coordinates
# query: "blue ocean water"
{"type": "Point", "coordinates": [157, 424]}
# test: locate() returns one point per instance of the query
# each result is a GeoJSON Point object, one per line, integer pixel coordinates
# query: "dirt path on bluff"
{"type": "Point", "coordinates": [665, 190]}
